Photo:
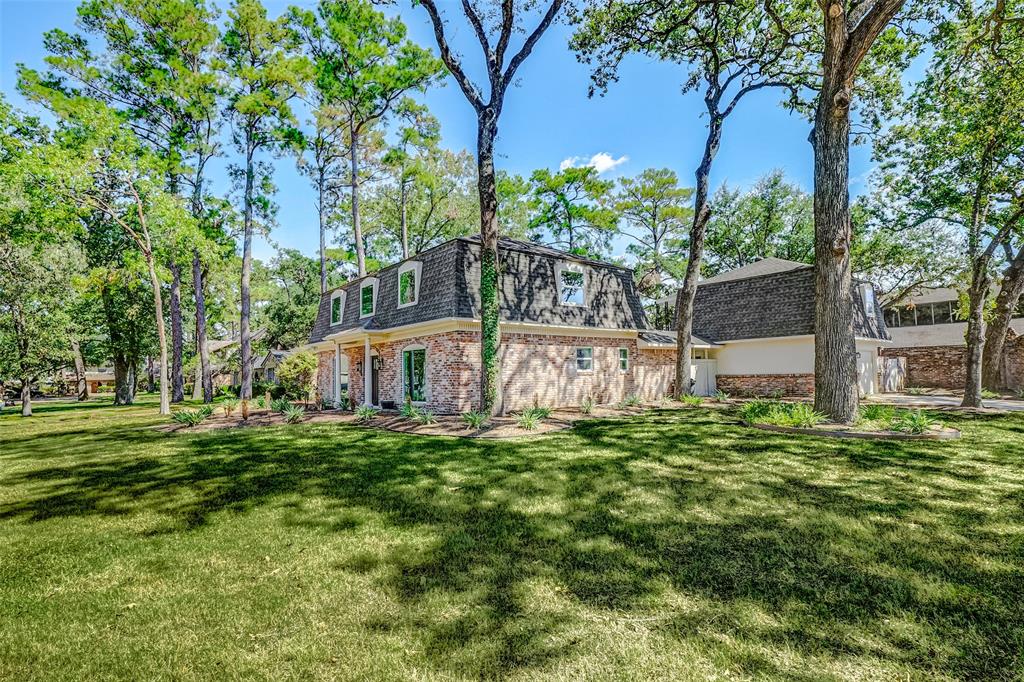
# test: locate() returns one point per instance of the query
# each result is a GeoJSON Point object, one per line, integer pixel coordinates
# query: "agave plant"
{"type": "Point", "coordinates": [366, 413]}
{"type": "Point", "coordinates": [587, 406]}
{"type": "Point", "coordinates": [229, 405]}
{"type": "Point", "coordinates": [425, 417]}
{"type": "Point", "coordinates": [528, 420]}
{"type": "Point", "coordinates": [913, 421]}
{"type": "Point", "coordinates": [474, 420]}
{"type": "Point", "coordinates": [293, 414]}
{"type": "Point", "coordinates": [192, 417]}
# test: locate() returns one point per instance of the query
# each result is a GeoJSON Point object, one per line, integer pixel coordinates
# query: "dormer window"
{"type": "Point", "coordinates": [867, 293]}
{"type": "Point", "coordinates": [571, 284]}
{"type": "Point", "coordinates": [368, 297]}
{"type": "Point", "coordinates": [337, 307]}
{"type": "Point", "coordinates": [409, 283]}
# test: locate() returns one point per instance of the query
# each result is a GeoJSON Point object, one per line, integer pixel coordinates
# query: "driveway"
{"type": "Point", "coordinates": [944, 401]}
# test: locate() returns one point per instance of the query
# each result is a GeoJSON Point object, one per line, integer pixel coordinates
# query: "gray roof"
{"type": "Point", "coordinates": [765, 266]}
{"type": "Point", "coordinates": [771, 305]}
{"type": "Point", "coordinates": [449, 289]}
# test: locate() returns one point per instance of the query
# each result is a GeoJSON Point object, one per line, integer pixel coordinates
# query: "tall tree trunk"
{"type": "Point", "coordinates": [81, 384]}
{"type": "Point", "coordinates": [323, 232]}
{"type": "Point", "coordinates": [490, 327]}
{"type": "Point", "coordinates": [245, 339]}
{"type": "Point", "coordinates": [177, 337]}
{"type": "Point", "coordinates": [204, 380]}
{"type": "Point", "coordinates": [26, 396]}
{"type": "Point", "coordinates": [698, 229]}
{"type": "Point", "coordinates": [977, 295]}
{"type": "Point", "coordinates": [161, 335]}
{"type": "Point", "coordinates": [150, 375]}
{"type": "Point", "coordinates": [995, 337]}
{"type": "Point", "coordinates": [357, 228]}
{"type": "Point", "coordinates": [124, 379]}
{"type": "Point", "coordinates": [835, 353]}
{"type": "Point", "coordinates": [404, 219]}
{"type": "Point", "coordinates": [122, 393]}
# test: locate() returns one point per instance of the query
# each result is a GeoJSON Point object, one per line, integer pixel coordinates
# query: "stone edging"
{"type": "Point", "coordinates": [947, 434]}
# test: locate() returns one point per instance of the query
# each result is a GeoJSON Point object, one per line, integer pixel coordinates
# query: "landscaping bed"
{"type": "Point", "coordinates": [874, 422]}
{"type": "Point", "coordinates": [846, 431]}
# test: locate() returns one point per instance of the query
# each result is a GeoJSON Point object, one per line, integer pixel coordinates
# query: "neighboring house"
{"type": "Point", "coordinates": [758, 321]}
{"type": "Point", "coordinates": [927, 331]}
{"type": "Point", "coordinates": [265, 366]}
{"type": "Point", "coordinates": [571, 328]}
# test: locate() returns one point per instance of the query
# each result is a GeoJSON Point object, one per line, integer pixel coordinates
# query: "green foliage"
{"type": "Point", "coordinates": [1020, 393]}
{"type": "Point", "coordinates": [425, 417]}
{"type": "Point", "coordinates": [691, 400]}
{"type": "Point", "coordinates": [721, 396]}
{"type": "Point", "coordinates": [989, 395]}
{"type": "Point", "coordinates": [587, 406]}
{"type": "Point", "coordinates": [290, 287]}
{"type": "Point", "coordinates": [803, 415]}
{"type": "Point", "coordinates": [293, 414]}
{"type": "Point", "coordinates": [229, 405]}
{"type": "Point", "coordinates": [408, 410]}
{"type": "Point", "coordinates": [474, 420]}
{"type": "Point", "coordinates": [753, 411]}
{"type": "Point", "coordinates": [915, 390]}
{"type": "Point", "coordinates": [914, 421]}
{"type": "Point", "coordinates": [366, 413]}
{"type": "Point", "coordinates": [573, 209]}
{"type": "Point", "coordinates": [297, 374]}
{"type": "Point", "coordinates": [880, 414]}
{"type": "Point", "coordinates": [540, 412]}
{"type": "Point", "coordinates": [774, 218]}
{"type": "Point", "coordinates": [280, 404]}
{"type": "Point", "coordinates": [192, 417]}
{"type": "Point", "coordinates": [528, 420]}
{"type": "Point", "coordinates": [798, 415]}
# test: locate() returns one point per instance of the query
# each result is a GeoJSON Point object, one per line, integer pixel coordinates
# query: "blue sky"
{"type": "Point", "coordinates": [643, 121]}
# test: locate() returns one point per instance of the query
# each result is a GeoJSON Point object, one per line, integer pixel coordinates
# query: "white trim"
{"type": "Point", "coordinates": [567, 266]}
{"type": "Point", "coordinates": [576, 359]}
{"type": "Point", "coordinates": [336, 295]}
{"type": "Point", "coordinates": [368, 282]}
{"type": "Point", "coordinates": [426, 379]}
{"type": "Point", "coordinates": [416, 267]}
{"type": "Point", "coordinates": [367, 369]}
{"type": "Point", "coordinates": [797, 336]}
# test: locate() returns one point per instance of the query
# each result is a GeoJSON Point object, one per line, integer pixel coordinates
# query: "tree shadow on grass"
{"type": "Point", "coordinates": [837, 545]}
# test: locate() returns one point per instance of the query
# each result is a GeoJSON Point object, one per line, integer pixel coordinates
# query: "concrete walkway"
{"type": "Point", "coordinates": [944, 401]}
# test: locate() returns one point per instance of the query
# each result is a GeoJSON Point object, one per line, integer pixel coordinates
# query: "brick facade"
{"type": "Point", "coordinates": [933, 366]}
{"type": "Point", "coordinates": [790, 385]}
{"type": "Point", "coordinates": [536, 369]}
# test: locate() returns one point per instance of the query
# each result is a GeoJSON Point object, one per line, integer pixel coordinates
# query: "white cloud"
{"type": "Point", "coordinates": [601, 162]}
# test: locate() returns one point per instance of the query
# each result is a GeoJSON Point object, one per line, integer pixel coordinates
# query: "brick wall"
{"type": "Point", "coordinates": [536, 369]}
{"type": "Point", "coordinates": [792, 385]}
{"type": "Point", "coordinates": [1015, 362]}
{"type": "Point", "coordinates": [933, 366]}
{"type": "Point", "coordinates": [325, 374]}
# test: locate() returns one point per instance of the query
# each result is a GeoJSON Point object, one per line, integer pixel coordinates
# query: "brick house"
{"type": "Point", "coordinates": [758, 323]}
{"type": "Point", "coordinates": [571, 328]}
{"type": "Point", "coordinates": [927, 331]}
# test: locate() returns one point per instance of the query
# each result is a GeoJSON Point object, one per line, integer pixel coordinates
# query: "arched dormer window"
{"type": "Point", "coordinates": [409, 283]}
{"type": "Point", "coordinates": [368, 297]}
{"type": "Point", "coordinates": [337, 307]}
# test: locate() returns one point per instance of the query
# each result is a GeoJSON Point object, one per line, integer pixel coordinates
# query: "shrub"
{"type": "Point", "coordinates": [721, 396]}
{"type": "Point", "coordinates": [878, 413]}
{"type": "Point", "coordinates": [801, 415]}
{"type": "Point", "coordinates": [228, 391]}
{"type": "Point", "coordinates": [691, 400]}
{"type": "Point", "coordinates": [425, 417]}
{"type": "Point", "coordinates": [409, 411]}
{"type": "Point", "coordinates": [776, 394]}
{"type": "Point", "coordinates": [261, 403]}
{"type": "Point", "coordinates": [326, 404]}
{"type": "Point", "coordinates": [474, 420]}
{"type": "Point", "coordinates": [913, 421]}
{"type": "Point", "coordinates": [297, 374]}
{"type": "Point", "coordinates": [540, 412]}
{"type": "Point", "coordinates": [192, 417]}
{"type": "Point", "coordinates": [366, 413]}
{"type": "Point", "coordinates": [229, 406]}
{"type": "Point", "coordinates": [989, 395]}
{"type": "Point", "coordinates": [279, 405]}
{"type": "Point", "coordinates": [528, 420]}
{"type": "Point", "coordinates": [293, 414]}
{"type": "Point", "coordinates": [587, 406]}
{"type": "Point", "coordinates": [915, 390]}
{"type": "Point", "coordinates": [1020, 393]}
{"type": "Point", "coordinates": [754, 411]}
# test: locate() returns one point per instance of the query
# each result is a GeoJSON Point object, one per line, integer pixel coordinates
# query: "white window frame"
{"type": "Point", "coordinates": [578, 358]}
{"type": "Point", "coordinates": [341, 311]}
{"type": "Point", "coordinates": [867, 294]}
{"type": "Point", "coordinates": [416, 267]}
{"type": "Point", "coordinates": [426, 375]}
{"type": "Point", "coordinates": [369, 282]}
{"type": "Point", "coordinates": [571, 267]}
{"type": "Point", "coordinates": [620, 359]}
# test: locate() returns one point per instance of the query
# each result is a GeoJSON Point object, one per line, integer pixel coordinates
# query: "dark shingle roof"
{"type": "Point", "coordinates": [771, 305]}
{"type": "Point", "coordinates": [765, 266]}
{"type": "Point", "coordinates": [449, 289]}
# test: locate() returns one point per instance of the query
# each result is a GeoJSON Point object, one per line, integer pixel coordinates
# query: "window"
{"type": "Point", "coordinates": [892, 317]}
{"type": "Point", "coordinates": [908, 316]}
{"type": "Point", "coordinates": [571, 284]}
{"type": "Point", "coordinates": [942, 313]}
{"type": "Point", "coordinates": [337, 307]}
{"type": "Point", "coordinates": [414, 374]}
{"type": "Point", "coordinates": [585, 359]}
{"type": "Point", "coordinates": [409, 284]}
{"type": "Point", "coordinates": [868, 294]}
{"type": "Point", "coordinates": [624, 359]}
{"type": "Point", "coordinates": [367, 297]}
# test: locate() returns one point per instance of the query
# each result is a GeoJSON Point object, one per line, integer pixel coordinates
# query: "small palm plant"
{"type": "Point", "coordinates": [474, 420]}
{"type": "Point", "coordinates": [587, 406]}
{"type": "Point", "coordinates": [280, 405]}
{"type": "Point", "coordinates": [192, 417]}
{"type": "Point", "coordinates": [366, 413]}
{"type": "Point", "coordinates": [408, 410]}
{"type": "Point", "coordinates": [528, 420]}
{"type": "Point", "coordinates": [425, 417]}
{"type": "Point", "coordinates": [293, 414]}
{"type": "Point", "coordinates": [914, 422]}
{"type": "Point", "coordinates": [691, 400]}
{"type": "Point", "coordinates": [229, 406]}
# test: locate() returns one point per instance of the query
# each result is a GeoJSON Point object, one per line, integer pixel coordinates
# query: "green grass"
{"type": "Point", "coordinates": [675, 545]}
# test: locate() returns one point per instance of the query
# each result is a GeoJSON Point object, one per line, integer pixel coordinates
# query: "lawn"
{"type": "Point", "coordinates": [678, 545]}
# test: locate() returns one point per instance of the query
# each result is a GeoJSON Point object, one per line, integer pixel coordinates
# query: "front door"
{"type": "Point", "coordinates": [375, 380]}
